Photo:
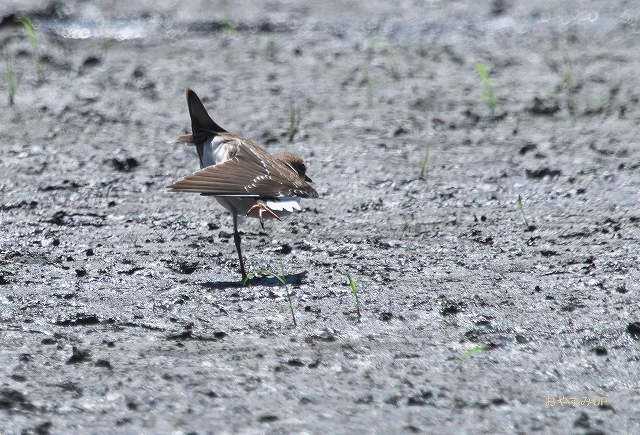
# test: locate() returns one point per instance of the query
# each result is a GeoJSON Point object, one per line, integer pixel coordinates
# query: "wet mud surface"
{"type": "Point", "coordinates": [121, 308]}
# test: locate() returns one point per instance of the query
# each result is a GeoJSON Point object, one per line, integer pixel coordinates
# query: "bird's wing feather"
{"type": "Point", "coordinates": [251, 172]}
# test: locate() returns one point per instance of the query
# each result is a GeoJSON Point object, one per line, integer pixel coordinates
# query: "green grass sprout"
{"type": "Point", "coordinates": [226, 23]}
{"type": "Point", "coordinates": [105, 44]}
{"type": "Point", "coordinates": [354, 290]}
{"type": "Point", "coordinates": [294, 121]}
{"type": "Point", "coordinates": [30, 29]}
{"type": "Point", "coordinates": [488, 92]}
{"type": "Point", "coordinates": [569, 83]}
{"type": "Point", "coordinates": [468, 353]}
{"type": "Point", "coordinates": [368, 82]}
{"type": "Point", "coordinates": [33, 40]}
{"type": "Point", "coordinates": [271, 50]}
{"type": "Point", "coordinates": [425, 162]}
{"type": "Point", "coordinates": [13, 78]}
{"type": "Point", "coordinates": [405, 225]}
{"type": "Point", "coordinates": [521, 208]}
{"type": "Point", "coordinates": [391, 58]}
{"type": "Point", "coordinates": [283, 280]}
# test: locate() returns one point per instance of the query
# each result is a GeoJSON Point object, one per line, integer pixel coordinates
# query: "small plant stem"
{"type": "Point", "coordinates": [283, 280]}
{"type": "Point", "coordinates": [569, 85]}
{"type": "Point", "coordinates": [521, 208]}
{"type": "Point", "coordinates": [488, 93]}
{"type": "Point", "coordinates": [226, 24]}
{"type": "Point", "coordinates": [468, 353]}
{"type": "Point", "coordinates": [294, 121]}
{"type": "Point", "coordinates": [354, 291]}
{"type": "Point", "coordinates": [425, 162]}
{"type": "Point", "coordinates": [13, 80]}
{"type": "Point", "coordinates": [33, 40]}
{"type": "Point", "coordinates": [386, 52]}
{"type": "Point", "coordinates": [369, 84]}
{"type": "Point", "coordinates": [286, 290]}
{"type": "Point", "coordinates": [405, 226]}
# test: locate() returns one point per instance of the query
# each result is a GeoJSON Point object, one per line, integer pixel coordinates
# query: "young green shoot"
{"type": "Point", "coordinates": [393, 69]}
{"type": "Point", "coordinates": [30, 29]}
{"type": "Point", "coordinates": [468, 353]}
{"type": "Point", "coordinates": [354, 290]}
{"type": "Point", "coordinates": [33, 40]}
{"type": "Point", "coordinates": [603, 103]}
{"type": "Point", "coordinates": [488, 92]}
{"type": "Point", "coordinates": [283, 280]}
{"type": "Point", "coordinates": [226, 24]}
{"type": "Point", "coordinates": [105, 44]}
{"type": "Point", "coordinates": [425, 162]}
{"type": "Point", "coordinates": [368, 82]}
{"type": "Point", "coordinates": [13, 79]}
{"type": "Point", "coordinates": [569, 83]}
{"type": "Point", "coordinates": [405, 225]}
{"type": "Point", "coordinates": [294, 121]}
{"type": "Point", "coordinates": [386, 52]}
{"type": "Point", "coordinates": [521, 208]}
{"type": "Point", "coordinates": [271, 50]}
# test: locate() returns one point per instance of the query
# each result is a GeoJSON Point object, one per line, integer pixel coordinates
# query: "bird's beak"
{"type": "Point", "coordinates": [307, 179]}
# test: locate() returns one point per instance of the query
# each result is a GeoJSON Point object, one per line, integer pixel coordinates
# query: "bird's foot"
{"type": "Point", "coordinates": [262, 207]}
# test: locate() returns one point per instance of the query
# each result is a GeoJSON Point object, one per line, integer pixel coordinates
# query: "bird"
{"type": "Point", "coordinates": [243, 177]}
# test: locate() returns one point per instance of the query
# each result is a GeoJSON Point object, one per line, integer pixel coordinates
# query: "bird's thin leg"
{"type": "Point", "coordinates": [236, 239]}
{"type": "Point", "coordinates": [262, 207]}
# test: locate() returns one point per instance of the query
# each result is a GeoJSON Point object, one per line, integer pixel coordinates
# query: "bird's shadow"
{"type": "Point", "coordinates": [261, 280]}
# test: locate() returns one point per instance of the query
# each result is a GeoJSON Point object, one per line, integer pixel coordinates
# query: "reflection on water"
{"type": "Point", "coordinates": [161, 26]}
{"type": "Point", "coordinates": [121, 30]}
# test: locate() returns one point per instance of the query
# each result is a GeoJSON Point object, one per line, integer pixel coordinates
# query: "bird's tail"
{"type": "Point", "coordinates": [202, 126]}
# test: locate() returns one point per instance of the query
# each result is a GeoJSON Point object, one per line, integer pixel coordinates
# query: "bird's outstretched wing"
{"type": "Point", "coordinates": [251, 172]}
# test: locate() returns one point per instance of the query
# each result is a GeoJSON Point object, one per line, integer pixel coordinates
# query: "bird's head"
{"type": "Point", "coordinates": [295, 162]}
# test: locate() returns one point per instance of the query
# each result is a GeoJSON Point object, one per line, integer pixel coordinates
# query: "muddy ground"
{"type": "Point", "coordinates": [121, 309]}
